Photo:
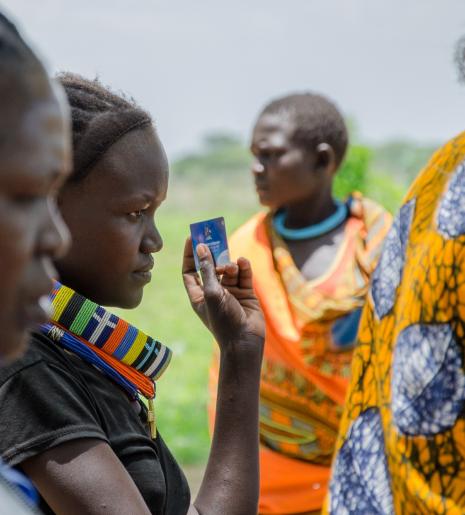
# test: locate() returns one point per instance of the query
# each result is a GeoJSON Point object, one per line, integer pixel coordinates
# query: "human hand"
{"type": "Point", "coordinates": [227, 306]}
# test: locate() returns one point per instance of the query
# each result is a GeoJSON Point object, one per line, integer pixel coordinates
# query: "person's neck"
{"type": "Point", "coordinates": [310, 211]}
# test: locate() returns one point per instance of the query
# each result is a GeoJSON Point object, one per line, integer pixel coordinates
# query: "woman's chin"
{"type": "Point", "coordinates": [265, 200]}
{"type": "Point", "coordinates": [132, 299]}
{"type": "Point", "coordinates": [270, 204]}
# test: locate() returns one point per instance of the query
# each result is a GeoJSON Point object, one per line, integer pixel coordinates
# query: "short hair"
{"type": "Point", "coordinates": [19, 70]}
{"type": "Point", "coordinates": [100, 117]}
{"type": "Point", "coordinates": [317, 120]}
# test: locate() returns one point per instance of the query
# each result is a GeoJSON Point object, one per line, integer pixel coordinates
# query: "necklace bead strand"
{"type": "Point", "coordinates": [311, 231]}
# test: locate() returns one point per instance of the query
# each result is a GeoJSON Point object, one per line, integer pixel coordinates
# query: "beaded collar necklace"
{"type": "Point", "coordinates": [119, 350]}
{"type": "Point", "coordinates": [311, 231]}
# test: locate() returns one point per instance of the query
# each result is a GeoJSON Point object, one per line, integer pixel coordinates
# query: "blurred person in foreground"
{"type": "Point", "coordinates": [313, 256]}
{"type": "Point", "coordinates": [73, 415]}
{"type": "Point", "coordinates": [401, 446]}
{"type": "Point", "coordinates": [35, 157]}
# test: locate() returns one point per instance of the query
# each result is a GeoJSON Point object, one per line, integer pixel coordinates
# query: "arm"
{"type": "Point", "coordinates": [231, 311]}
{"type": "Point", "coordinates": [69, 478]}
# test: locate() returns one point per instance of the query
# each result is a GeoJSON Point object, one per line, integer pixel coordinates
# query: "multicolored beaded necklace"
{"type": "Point", "coordinates": [119, 350]}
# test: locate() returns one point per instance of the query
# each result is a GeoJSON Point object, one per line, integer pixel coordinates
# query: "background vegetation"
{"type": "Point", "coordinates": [215, 181]}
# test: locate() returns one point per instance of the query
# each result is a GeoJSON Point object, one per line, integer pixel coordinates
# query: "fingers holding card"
{"type": "Point", "coordinates": [213, 234]}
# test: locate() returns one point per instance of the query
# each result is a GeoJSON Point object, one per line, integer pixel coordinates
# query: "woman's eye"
{"type": "Point", "coordinates": [269, 155]}
{"type": "Point", "coordinates": [136, 214]}
{"type": "Point", "coordinates": [139, 213]}
{"type": "Point", "coordinates": [276, 154]}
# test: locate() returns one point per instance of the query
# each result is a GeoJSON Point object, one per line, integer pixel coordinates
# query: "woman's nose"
{"type": "Point", "coordinates": [54, 239]}
{"type": "Point", "coordinates": [258, 167]}
{"type": "Point", "coordinates": [152, 241]}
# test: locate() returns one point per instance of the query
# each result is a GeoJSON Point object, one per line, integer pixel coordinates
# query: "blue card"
{"type": "Point", "coordinates": [211, 233]}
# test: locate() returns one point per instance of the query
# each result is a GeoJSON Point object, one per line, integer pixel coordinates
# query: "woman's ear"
{"type": "Point", "coordinates": [325, 158]}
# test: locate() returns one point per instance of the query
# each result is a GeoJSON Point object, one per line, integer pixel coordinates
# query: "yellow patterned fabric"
{"type": "Point", "coordinates": [401, 447]}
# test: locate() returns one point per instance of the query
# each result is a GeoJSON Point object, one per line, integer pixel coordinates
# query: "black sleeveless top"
{"type": "Point", "coordinates": [50, 396]}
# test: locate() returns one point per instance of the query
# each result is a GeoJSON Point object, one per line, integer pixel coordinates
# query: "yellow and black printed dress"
{"type": "Point", "coordinates": [401, 446]}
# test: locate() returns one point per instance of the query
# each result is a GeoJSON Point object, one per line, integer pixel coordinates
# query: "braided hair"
{"type": "Point", "coordinates": [100, 118]}
{"type": "Point", "coordinates": [317, 120]}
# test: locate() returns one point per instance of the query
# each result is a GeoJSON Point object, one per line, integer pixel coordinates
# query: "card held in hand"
{"type": "Point", "coordinates": [211, 233]}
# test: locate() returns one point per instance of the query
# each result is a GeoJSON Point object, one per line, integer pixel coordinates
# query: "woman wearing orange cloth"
{"type": "Point", "coordinates": [312, 256]}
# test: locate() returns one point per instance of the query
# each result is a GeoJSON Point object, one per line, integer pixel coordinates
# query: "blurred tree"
{"type": "Point", "coordinates": [352, 176]}
{"type": "Point", "coordinates": [402, 159]}
{"type": "Point", "coordinates": [220, 153]}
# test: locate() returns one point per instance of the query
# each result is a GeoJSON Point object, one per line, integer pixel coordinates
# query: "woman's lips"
{"type": "Point", "coordinates": [262, 191]}
{"type": "Point", "coordinates": [143, 276]}
{"type": "Point", "coordinates": [144, 273]}
{"type": "Point", "coordinates": [261, 187]}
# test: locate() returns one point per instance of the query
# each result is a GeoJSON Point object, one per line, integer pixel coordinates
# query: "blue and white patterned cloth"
{"type": "Point", "coordinates": [388, 273]}
{"type": "Point", "coordinates": [360, 482]}
{"type": "Point", "coordinates": [17, 494]}
{"type": "Point", "coordinates": [428, 383]}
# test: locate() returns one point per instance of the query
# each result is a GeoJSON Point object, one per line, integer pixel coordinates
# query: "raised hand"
{"type": "Point", "coordinates": [228, 307]}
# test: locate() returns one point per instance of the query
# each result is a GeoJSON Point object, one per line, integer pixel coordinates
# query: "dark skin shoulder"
{"type": "Point", "coordinates": [69, 478]}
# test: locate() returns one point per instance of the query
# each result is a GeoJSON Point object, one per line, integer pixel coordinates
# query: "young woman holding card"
{"type": "Point", "coordinates": [82, 433]}
{"type": "Point", "coordinates": [312, 256]}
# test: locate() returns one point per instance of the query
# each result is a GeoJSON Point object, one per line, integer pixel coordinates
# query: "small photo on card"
{"type": "Point", "coordinates": [211, 233]}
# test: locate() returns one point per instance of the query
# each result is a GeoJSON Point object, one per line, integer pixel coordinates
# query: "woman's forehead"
{"type": "Point", "coordinates": [38, 144]}
{"type": "Point", "coordinates": [273, 129]}
{"type": "Point", "coordinates": [136, 164]}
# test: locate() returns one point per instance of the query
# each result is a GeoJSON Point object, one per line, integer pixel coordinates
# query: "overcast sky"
{"type": "Point", "coordinates": [211, 64]}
